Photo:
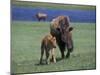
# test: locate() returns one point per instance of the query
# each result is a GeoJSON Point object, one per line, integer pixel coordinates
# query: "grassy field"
{"type": "Point", "coordinates": [25, 45]}
{"type": "Point", "coordinates": [52, 5]}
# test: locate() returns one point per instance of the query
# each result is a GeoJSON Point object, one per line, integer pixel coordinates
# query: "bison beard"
{"type": "Point", "coordinates": [62, 31]}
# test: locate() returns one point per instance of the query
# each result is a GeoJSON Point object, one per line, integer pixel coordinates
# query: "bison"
{"type": "Point", "coordinates": [41, 16]}
{"type": "Point", "coordinates": [48, 44]}
{"type": "Point", "coordinates": [61, 29]}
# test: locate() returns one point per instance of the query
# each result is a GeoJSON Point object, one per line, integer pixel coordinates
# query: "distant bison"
{"type": "Point", "coordinates": [60, 28]}
{"type": "Point", "coordinates": [41, 16]}
{"type": "Point", "coordinates": [48, 44]}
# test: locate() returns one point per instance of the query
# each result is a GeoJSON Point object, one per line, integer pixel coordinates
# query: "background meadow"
{"type": "Point", "coordinates": [27, 32]}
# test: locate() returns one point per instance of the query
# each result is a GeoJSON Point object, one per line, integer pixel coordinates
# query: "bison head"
{"type": "Point", "coordinates": [66, 37]}
{"type": "Point", "coordinates": [66, 34]}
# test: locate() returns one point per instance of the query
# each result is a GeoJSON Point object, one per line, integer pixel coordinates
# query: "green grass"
{"type": "Point", "coordinates": [53, 5]}
{"type": "Point", "coordinates": [25, 45]}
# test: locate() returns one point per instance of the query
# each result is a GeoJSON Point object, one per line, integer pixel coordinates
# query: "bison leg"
{"type": "Point", "coordinates": [68, 54]}
{"type": "Point", "coordinates": [39, 19]}
{"type": "Point", "coordinates": [62, 49]}
{"type": "Point", "coordinates": [44, 19]}
{"type": "Point", "coordinates": [62, 54]}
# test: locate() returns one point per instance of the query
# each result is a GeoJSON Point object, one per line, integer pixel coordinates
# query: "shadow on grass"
{"type": "Point", "coordinates": [58, 59]}
{"type": "Point", "coordinates": [44, 62]}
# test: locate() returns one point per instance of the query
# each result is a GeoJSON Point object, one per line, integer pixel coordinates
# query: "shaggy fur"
{"type": "Point", "coordinates": [60, 28]}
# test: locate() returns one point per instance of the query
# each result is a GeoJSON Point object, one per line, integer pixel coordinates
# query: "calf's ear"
{"type": "Point", "coordinates": [70, 29]}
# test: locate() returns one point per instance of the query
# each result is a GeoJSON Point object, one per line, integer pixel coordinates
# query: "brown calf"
{"type": "Point", "coordinates": [48, 44]}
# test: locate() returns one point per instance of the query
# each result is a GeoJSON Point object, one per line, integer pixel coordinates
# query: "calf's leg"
{"type": "Point", "coordinates": [48, 55]}
{"type": "Point", "coordinates": [53, 55]}
{"type": "Point", "coordinates": [62, 49]}
{"type": "Point", "coordinates": [42, 52]}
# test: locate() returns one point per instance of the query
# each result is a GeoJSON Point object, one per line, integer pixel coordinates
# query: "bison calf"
{"type": "Point", "coordinates": [48, 44]}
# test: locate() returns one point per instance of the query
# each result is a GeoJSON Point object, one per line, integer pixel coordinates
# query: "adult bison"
{"type": "Point", "coordinates": [41, 16]}
{"type": "Point", "coordinates": [60, 28]}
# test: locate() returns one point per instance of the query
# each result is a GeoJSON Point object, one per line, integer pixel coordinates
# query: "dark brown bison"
{"type": "Point", "coordinates": [60, 28]}
{"type": "Point", "coordinates": [48, 44]}
{"type": "Point", "coordinates": [41, 16]}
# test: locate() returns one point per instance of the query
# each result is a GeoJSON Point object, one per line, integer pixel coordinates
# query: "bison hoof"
{"type": "Point", "coordinates": [67, 56]}
{"type": "Point", "coordinates": [63, 57]}
{"type": "Point", "coordinates": [41, 63]}
{"type": "Point", "coordinates": [47, 63]}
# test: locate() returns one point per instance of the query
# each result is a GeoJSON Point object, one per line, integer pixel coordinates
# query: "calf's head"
{"type": "Point", "coordinates": [52, 42]}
